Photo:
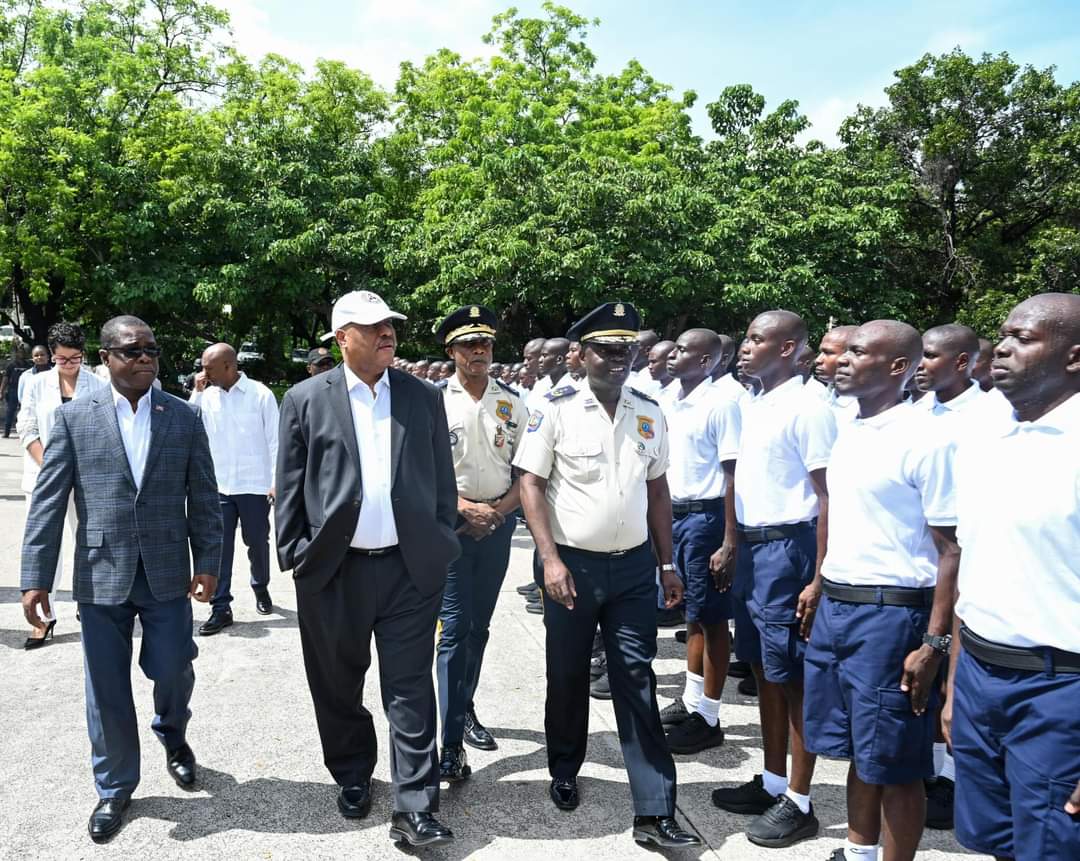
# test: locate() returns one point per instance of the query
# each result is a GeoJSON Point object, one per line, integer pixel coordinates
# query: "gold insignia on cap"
{"type": "Point", "coordinates": [620, 309]}
{"type": "Point", "coordinates": [474, 312]}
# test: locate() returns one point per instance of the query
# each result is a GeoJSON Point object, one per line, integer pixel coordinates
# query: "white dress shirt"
{"type": "Point", "coordinates": [1018, 503]}
{"type": "Point", "coordinates": [375, 525]}
{"type": "Point", "coordinates": [135, 432]}
{"type": "Point", "coordinates": [787, 433]}
{"type": "Point", "coordinates": [703, 432]}
{"type": "Point", "coordinates": [890, 480]}
{"type": "Point", "coordinates": [242, 424]}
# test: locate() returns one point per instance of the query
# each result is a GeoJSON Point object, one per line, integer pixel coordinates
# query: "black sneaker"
{"type": "Point", "coordinates": [748, 686]}
{"type": "Point", "coordinates": [527, 589]}
{"type": "Point", "coordinates": [940, 792]}
{"type": "Point", "coordinates": [673, 714]}
{"type": "Point", "coordinates": [694, 735]}
{"type": "Point", "coordinates": [782, 825]}
{"type": "Point", "coordinates": [750, 798]}
{"type": "Point", "coordinates": [600, 689]}
{"type": "Point", "coordinates": [738, 670]}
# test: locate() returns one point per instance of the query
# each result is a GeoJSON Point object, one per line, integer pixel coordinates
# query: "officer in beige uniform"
{"type": "Point", "coordinates": [593, 487]}
{"type": "Point", "coordinates": [485, 419]}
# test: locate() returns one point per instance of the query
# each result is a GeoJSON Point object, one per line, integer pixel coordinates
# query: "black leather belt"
{"type": "Point", "coordinates": [891, 596]}
{"type": "Point", "coordinates": [492, 501]}
{"type": "Point", "coordinates": [761, 534]}
{"type": "Point", "coordinates": [1016, 658]}
{"type": "Point", "coordinates": [613, 554]}
{"type": "Point", "coordinates": [697, 505]}
{"type": "Point", "coordinates": [372, 551]}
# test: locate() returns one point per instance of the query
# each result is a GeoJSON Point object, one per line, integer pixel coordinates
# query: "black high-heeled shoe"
{"type": "Point", "coordinates": [38, 642]}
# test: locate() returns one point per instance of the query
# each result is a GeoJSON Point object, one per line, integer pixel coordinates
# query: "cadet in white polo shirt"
{"type": "Point", "coordinates": [703, 429]}
{"type": "Point", "coordinates": [721, 378]}
{"type": "Point", "coordinates": [944, 372]}
{"type": "Point", "coordinates": [594, 491]}
{"type": "Point", "coordinates": [1014, 694]}
{"type": "Point", "coordinates": [780, 491]}
{"type": "Point", "coordinates": [875, 657]}
{"type": "Point", "coordinates": [832, 346]}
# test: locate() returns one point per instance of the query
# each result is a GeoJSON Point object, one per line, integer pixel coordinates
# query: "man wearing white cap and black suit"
{"type": "Point", "coordinates": [366, 509]}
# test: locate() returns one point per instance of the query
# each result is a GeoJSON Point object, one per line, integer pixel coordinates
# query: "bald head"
{"type": "Point", "coordinates": [770, 352]}
{"type": "Point", "coordinates": [953, 338]}
{"type": "Point", "coordinates": [787, 324]}
{"type": "Point", "coordinates": [949, 352]}
{"type": "Point", "coordinates": [696, 354]}
{"type": "Point", "coordinates": [727, 352]}
{"type": "Point", "coordinates": [1059, 312]}
{"type": "Point", "coordinates": [219, 351]}
{"type": "Point", "coordinates": [900, 340]}
{"type": "Point", "coordinates": [833, 344]}
{"type": "Point", "coordinates": [646, 340]}
{"type": "Point", "coordinates": [658, 358]}
{"type": "Point", "coordinates": [219, 365]}
{"type": "Point", "coordinates": [980, 371]}
{"type": "Point", "coordinates": [881, 357]}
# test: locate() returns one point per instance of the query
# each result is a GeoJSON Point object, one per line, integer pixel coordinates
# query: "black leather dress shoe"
{"type": "Point", "coordinates": [263, 605]}
{"type": "Point", "coordinates": [419, 829]}
{"type": "Point", "coordinates": [565, 793]}
{"type": "Point", "coordinates": [181, 766]}
{"type": "Point", "coordinates": [663, 831]}
{"type": "Point", "coordinates": [218, 620]}
{"type": "Point", "coordinates": [107, 818]}
{"type": "Point", "coordinates": [453, 765]}
{"type": "Point", "coordinates": [477, 735]}
{"type": "Point", "coordinates": [354, 802]}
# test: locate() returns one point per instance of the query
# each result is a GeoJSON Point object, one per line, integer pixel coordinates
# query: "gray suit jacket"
{"type": "Point", "coordinates": [177, 505]}
{"type": "Point", "coordinates": [318, 480]}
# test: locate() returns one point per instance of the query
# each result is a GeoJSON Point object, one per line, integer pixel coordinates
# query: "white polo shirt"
{"type": "Point", "coordinates": [1018, 506]}
{"type": "Point", "coordinates": [890, 480]}
{"type": "Point", "coordinates": [703, 431]}
{"type": "Point", "coordinates": [845, 407]}
{"type": "Point", "coordinates": [971, 397]}
{"type": "Point", "coordinates": [787, 433]}
{"type": "Point", "coordinates": [728, 385]}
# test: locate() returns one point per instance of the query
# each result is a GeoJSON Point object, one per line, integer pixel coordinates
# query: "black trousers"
{"type": "Point", "coordinates": [374, 595]}
{"type": "Point", "coordinates": [619, 593]}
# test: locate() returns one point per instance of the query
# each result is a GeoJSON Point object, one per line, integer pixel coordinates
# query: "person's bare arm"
{"type": "Point", "coordinates": [722, 562]}
{"type": "Point", "coordinates": [808, 600]}
{"type": "Point", "coordinates": [659, 517]}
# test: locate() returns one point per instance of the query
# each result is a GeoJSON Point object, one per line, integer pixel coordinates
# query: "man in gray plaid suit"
{"type": "Point", "coordinates": [138, 462]}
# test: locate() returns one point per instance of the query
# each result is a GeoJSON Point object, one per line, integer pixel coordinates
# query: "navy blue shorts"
{"type": "Point", "coordinates": [769, 578]}
{"type": "Point", "coordinates": [854, 708]}
{"type": "Point", "coordinates": [696, 537]}
{"type": "Point", "coordinates": [1016, 744]}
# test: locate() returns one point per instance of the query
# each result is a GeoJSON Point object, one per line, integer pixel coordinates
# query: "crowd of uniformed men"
{"type": "Point", "coordinates": [882, 536]}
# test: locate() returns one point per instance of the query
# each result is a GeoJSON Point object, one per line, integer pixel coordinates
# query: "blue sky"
{"type": "Point", "coordinates": [830, 56]}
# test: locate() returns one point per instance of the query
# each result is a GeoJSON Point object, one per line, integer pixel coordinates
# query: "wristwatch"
{"type": "Point", "coordinates": [667, 566]}
{"type": "Point", "coordinates": [938, 642]}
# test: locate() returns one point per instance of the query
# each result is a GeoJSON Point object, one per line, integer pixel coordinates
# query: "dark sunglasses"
{"type": "Point", "coordinates": [130, 354]}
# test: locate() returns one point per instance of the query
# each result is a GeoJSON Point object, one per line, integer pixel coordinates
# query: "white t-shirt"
{"type": "Point", "coordinates": [787, 433]}
{"type": "Point", "coordinates": [890, 479]}
{"type": "Point", "coordinates": [703, 432]}
{"type": "Point", "coordinates": [1018, 507]}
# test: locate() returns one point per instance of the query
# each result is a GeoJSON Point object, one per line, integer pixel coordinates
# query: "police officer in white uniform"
{"type": "Point", "coordinates": [593, 491]}
{"type": "Point", "coordinates": [1014, 694]}
{"type": "Point", "coordinates": [485, 420]}
{"type": "Point", "coordinates": [877, 649]}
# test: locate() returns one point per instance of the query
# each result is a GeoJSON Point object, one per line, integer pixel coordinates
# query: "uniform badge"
{"type": "Point", "coordinates": [641, 448]}
{"type": "Point", "coordinates": [645, 427]}
{"type": "Point", "coordinates": [474, 312]}
{"type": "Point", "coordinates": [453, 438]}
{"type": "Point", "coordinates": [500, 437]}
{"type": "Point", "coordinates": [534, 421]}
{"type": "Point", "coordinates": [504, 410]}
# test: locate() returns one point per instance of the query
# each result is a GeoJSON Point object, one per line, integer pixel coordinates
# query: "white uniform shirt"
{"type": "Point", "coordinates": [703, 431]}
{"type": "Point", "coordinates": [134, 431]}
{"type": "Point", "coordinates": [787, 433]}
{"type": "Point", "coordinates": [242, 424]}
{"type": "Point", "coordinates": [890, 480]}
{"type": "Point", "coordinates": [970, 398]}
{"type": "Point", "coordinates": [1018, 505]}
{"type": "Point", "coordinates": [484, 436]}
{"type": "Point", "coordinates": [535, 399]}
{"type": "Point", "coordinates": [596, 468]}
{"type": "Point", "coordinates": [728, 385]}
{"type": "Point", "coordinates": [375, 525]}
{"type": "Point", "coordinates": [844, 407]}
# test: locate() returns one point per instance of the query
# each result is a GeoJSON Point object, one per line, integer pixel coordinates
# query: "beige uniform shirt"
{"type": "Point", "coordinates": [484, 436]}
{"type": "Point", "coordinates": [596, 468]}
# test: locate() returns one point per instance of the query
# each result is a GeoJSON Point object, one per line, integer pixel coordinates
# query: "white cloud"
{"type": "Point", "coordinates": [968, 40]}
{"type": "Point", "coordinates": [827, 114]}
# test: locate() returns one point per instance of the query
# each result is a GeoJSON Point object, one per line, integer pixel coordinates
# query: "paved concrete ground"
{"type": "Point", "coordinates": [264, 793]}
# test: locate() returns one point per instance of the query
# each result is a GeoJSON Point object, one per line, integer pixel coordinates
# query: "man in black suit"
{"type": "Point", "coordinates": [366, 508]}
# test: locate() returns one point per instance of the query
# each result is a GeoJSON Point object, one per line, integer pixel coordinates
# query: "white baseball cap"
{"type": "Point", "coordinates": [362, 307]}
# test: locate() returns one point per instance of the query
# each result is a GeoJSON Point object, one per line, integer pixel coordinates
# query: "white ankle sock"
{"type": "Point", "coordinates": [948, 769]}
{"type": "Point", "coordinates": [855, 852]}
{"type": "Point", "coordinates": [775, 784]}
{"type": "Point", "coordinates": [709, 709]}
{"type": "Point", "coordinates": [695, 687]}
{"type": "Point", "coordinates": [802, 800]}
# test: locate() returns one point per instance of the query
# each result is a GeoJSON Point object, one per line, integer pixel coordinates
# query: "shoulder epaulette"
{"type": "Point", "coordinates": [506, 388]}
{"type": "Point", "coordinates": [561, 392]}
{"type": "Point", "coordinates": [441, 384]}
{"type": "Point", "coordinates": [644, 396]}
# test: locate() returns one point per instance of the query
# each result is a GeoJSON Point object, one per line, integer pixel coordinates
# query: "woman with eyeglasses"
{"type": "Point", "coordinates": [68, 379]}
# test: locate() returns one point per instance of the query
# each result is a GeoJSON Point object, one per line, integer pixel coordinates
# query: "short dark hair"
{"type": "Point", "coordinates": [64, 334]}
{"type": "Point", "coordinates": [111, 330]}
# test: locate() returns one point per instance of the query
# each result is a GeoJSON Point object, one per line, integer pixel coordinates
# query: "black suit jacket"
{"type": "Point", "coordinates": [319, 489]}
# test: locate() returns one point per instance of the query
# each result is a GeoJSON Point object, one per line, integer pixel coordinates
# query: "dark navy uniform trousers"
{"type": "Point", "coordinates": [619, 593]}
{"type": "Point", "coordinates": [252, 512]}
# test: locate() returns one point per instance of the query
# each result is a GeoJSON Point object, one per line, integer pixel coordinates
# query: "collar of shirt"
{"type": "Point", "coordinates": [784, 390]}
{"type": "Point", "coordinates": [352, 381]}
{"type": "Point", "coordinates": [1062, 419]}
{"type": "Point", "coordinates": [493, 388]}
{"type": "Point", "coordinates": [971, 394]}
{"type": "Point", "coordinates": [241, 384]}
{"type": "Point", "coordinates": [143, 403]}
{"type": "Point", "coordinates": [884, 419]}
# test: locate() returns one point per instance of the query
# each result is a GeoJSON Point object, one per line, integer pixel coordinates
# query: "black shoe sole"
{"type": "Point", "coordinates": [217, 630]}
{"type": "Point", "coordinates": [805, 833]}
{"type": "Point", "coordinates": [265, 612]}
{"type": "Point", "coordinates": [649, 837]}
{"type": "Point", "coordinates": [698, 747]}
{"type": "Point", "coordinates": [185, 786]}
{"type": "Point", "coordinates": [669, 722]}
{"type": "Point", "coordinates": [600, 696]}
{"type": "Point", "coordinates": [109, 835]}
{"type": "Point", "coordinates": [399, 836]}
{"type": "Point", "coordinates": [744, 809]}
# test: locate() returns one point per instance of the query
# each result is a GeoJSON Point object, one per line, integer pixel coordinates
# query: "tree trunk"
{"type": "Point", "coordinates": [37, 318]}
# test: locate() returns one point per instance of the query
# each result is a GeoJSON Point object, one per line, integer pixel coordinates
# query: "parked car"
{"type": "Point", "coordinates": [299, 356]}
{"type": "Point", "coordinates": [248, 353]}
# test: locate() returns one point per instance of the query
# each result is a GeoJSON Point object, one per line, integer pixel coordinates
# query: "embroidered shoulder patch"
{"type": "Point", "coordinates": [504, 410]}
{"type": "Point", "coordinates": [645, 427]}
{"type": "Point", "coordinates": [534, 421]}
{"type": "Point", "coordinates": [561, 392]}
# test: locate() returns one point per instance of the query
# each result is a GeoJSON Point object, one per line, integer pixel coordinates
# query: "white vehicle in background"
{"type": "Point", "coordinates": [248, 353]}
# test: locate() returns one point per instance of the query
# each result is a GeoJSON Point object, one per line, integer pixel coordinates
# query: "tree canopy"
{"type": "Point", "coordinates": [147, 167]}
